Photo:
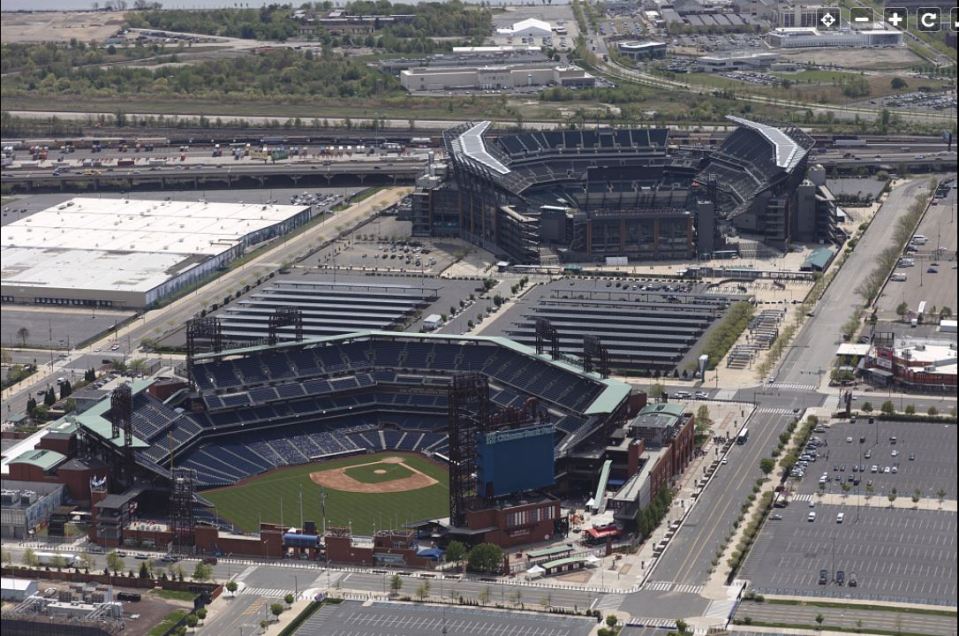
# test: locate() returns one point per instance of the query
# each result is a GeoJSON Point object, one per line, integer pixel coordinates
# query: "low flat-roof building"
{"type": "Point", "coordinates": [495, 77]}
{"type": "Point", "coordinates": [808, 37]}
{"type": "Point", "coordinates": [739, 61]}
{"type": "Point", "coordinates": [912, 363]}
{"type": "Point", "coordinates": [130, 253]}
{"type": "Point", "coordinates": [526, 28]}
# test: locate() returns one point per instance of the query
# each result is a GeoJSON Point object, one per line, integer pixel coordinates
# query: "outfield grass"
{"type": "Point", "coordinates": [275, 497]}
{"type": "Point", "coordinates": [369, 474]}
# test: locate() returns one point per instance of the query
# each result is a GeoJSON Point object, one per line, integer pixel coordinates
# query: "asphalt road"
{"type": "Point", "coordinates": [815, 346]}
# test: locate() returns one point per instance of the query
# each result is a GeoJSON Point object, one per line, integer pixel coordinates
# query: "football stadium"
{"type": "Point", "coordinates": [583, 195]}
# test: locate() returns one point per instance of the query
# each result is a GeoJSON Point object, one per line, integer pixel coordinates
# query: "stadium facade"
{"type": "Point", "coordinates": [581, 196]}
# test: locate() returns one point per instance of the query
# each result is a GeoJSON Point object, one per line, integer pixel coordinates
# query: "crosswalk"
{"type": "Point", "coordinates": [725, 395]}
{"type": "Point", "coordinates": [669, 586]}
{"type": "Point", "coordinates": [792, 386]}
{"type": "Point", "coordinates": [265, 592]}
{"type": "Point", "coordinates": [664, 623]}
{"type": "Point", "coordinates": [768, 410]}
{"type": "Point", "coordinates": [804, 497]}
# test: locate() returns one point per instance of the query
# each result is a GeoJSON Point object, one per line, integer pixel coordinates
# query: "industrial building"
{"type": "Point", "coordinates": [809, 37]}
{"type": "Point", "coordinates": [495, 77]}
{"type": "Point", "coordinates": [585, 195]}
{"type": "Point", "coordinates": [637, 51]}
{"type": "Point", "coordinates": [128, 253]}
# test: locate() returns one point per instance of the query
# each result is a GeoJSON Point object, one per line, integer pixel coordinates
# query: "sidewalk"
{"type": "Point", "coordinates": [903, 501]}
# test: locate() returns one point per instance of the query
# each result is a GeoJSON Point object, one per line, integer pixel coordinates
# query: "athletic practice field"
{"type": "Point", "coordinates": [380, 490]}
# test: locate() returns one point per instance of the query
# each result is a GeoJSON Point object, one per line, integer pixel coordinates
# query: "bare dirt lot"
{"type": "Point", "coordinates": [873, 59]}
{"type": "Point", "coordinates": [338, 479]}
{"type": "Point", "coordinates": [51, 26]}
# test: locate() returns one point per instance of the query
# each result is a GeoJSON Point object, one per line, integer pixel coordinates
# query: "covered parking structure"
{"type": "Point", "coordinates": [327, 308]}
{"type": "Point", "coordinates": [642, 334]}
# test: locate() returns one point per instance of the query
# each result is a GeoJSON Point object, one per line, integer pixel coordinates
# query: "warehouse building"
{"type": "Point", "coordinates": [807, 37]}
{"type": "Point", "coordinates": [743, 61]}
{"type": "Point", "coordinates": [496, 77]}
{"type": "Point", "coordinates": [127, 253]}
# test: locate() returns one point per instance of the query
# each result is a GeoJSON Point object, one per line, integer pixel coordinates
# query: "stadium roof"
{"type": "Point", "coordinates": [94, 418]}
{"type": "Point", "coordinates": [788, 152]}
{"type": "Point", "coordinates": [473, 146]}
{"type": "Point", "coordinates": [613, 394]}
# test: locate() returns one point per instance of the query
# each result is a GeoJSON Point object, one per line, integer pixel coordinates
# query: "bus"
{"type": "Point", "coordinates": [743, 436]}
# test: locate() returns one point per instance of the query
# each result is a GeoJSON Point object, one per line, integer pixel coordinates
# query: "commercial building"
{"type": "Point", "coordinates": [723, 62]}
{"type": "Point", "coordinates": [643, 50]}
{"type": "Point", "coordinates": [130, 253]}
{"type": "Point", "coordinates": [495, 77]}
{"type": "Point", "coordinates": [809, 37]}
{"type": "Point", "coordinates": [915, 364]}
{"type": "Point", "coordinates": [25, 505]}
{"type": "Point", "coordinates": [531, 27]}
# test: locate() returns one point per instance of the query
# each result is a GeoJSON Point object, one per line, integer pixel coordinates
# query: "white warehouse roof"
{"type": "Point", "coordinates": [529, 24]}
{"type": "Point", "coordinates": [178, 227]}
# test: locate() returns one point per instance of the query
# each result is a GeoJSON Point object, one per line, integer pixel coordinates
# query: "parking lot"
{"type": "Point", "coordinates": [391, 619]}
{"type": "Point", "coordinates": [932, 277]}
{"type": "Point", "coordinates": [923, 457]}
{"type": "Point", "coordinates": [55, 328]}
{"type": "Point", "coordinates": [894, 555]}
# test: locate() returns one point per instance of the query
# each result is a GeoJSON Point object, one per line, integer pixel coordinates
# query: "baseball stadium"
{"type": "Point", "coordinates": [363, 433]}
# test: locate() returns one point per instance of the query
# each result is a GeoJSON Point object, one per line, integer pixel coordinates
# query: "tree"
{"type": "Point", "coordinates": [485, 594]}
{"type": "Point", "coordinates": [30, 558]}
{"type": "Point", "coordinates": [231, 587]}
{"type": "Point", "coordinates": [192, 620]}
{"type": "Point", "coordinates": [892, 495]}
{"type": "Point", "coordinates": [767, 465]}
{"type": "Point", "coordinates": [888, 408]}
{"type": "Point", "coordinates": [144, 570]}
{"type": "Point", "coordinates": [910, 409]}
{"type": "Point", "coordinates": [49, 398]}
{"type": "Point", "coordinates": [114, 562]}
{"type": "Point", "coordinates": [611, 620]}
{"type": "Point", "coordinates": [486, 557]}
{"type": "Point", "coordinates": [202, 572]}
{"type": "Point", "coordinates": [396, 584]}
{"type": "Point", "coordinates": [289, 598]}
{"type": "Point", "coordinates": [423, 591]}
{"type": "Point", "coordinates": [897, 84]}
{"type": "Point", "coordinates": [932, 411]}
{"type": "Point", "coordinates": [656, 390]}
{"type": "Point", "coordinates": [22, 334]}
{"type": "Point", "coordinates": [201, 613]}
{"type": "Point", "coordinates": [703, 421]}
{"type": "Point", "coordinates": [819, 620]}
{"type": "Point", "coordinates": [455, 552]}
{"type": "Point", "coordinates": [867, 407]}
{"type": "Point", "coordinates": [902, 309]}
{"type": "Point", "coordinates": [682, 627]}
{"type": "Point", "coordinates": [276, 609]}
{"type": "Point", "coordinates": [6, 556]}
{"type": "Point", "coordinates": [65, 389]}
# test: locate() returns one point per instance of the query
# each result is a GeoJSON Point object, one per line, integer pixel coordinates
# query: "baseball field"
{"type": "Point", "coordinates": [379, 490]}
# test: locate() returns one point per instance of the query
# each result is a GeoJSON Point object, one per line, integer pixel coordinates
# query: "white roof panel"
{"type": "Point", "coordinates": [788, 152]}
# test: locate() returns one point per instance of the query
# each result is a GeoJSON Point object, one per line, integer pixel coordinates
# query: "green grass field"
{"type": "Point", "coordinates": [373, 475]}
{"type": "Point", "coordinates": [275, 497]}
